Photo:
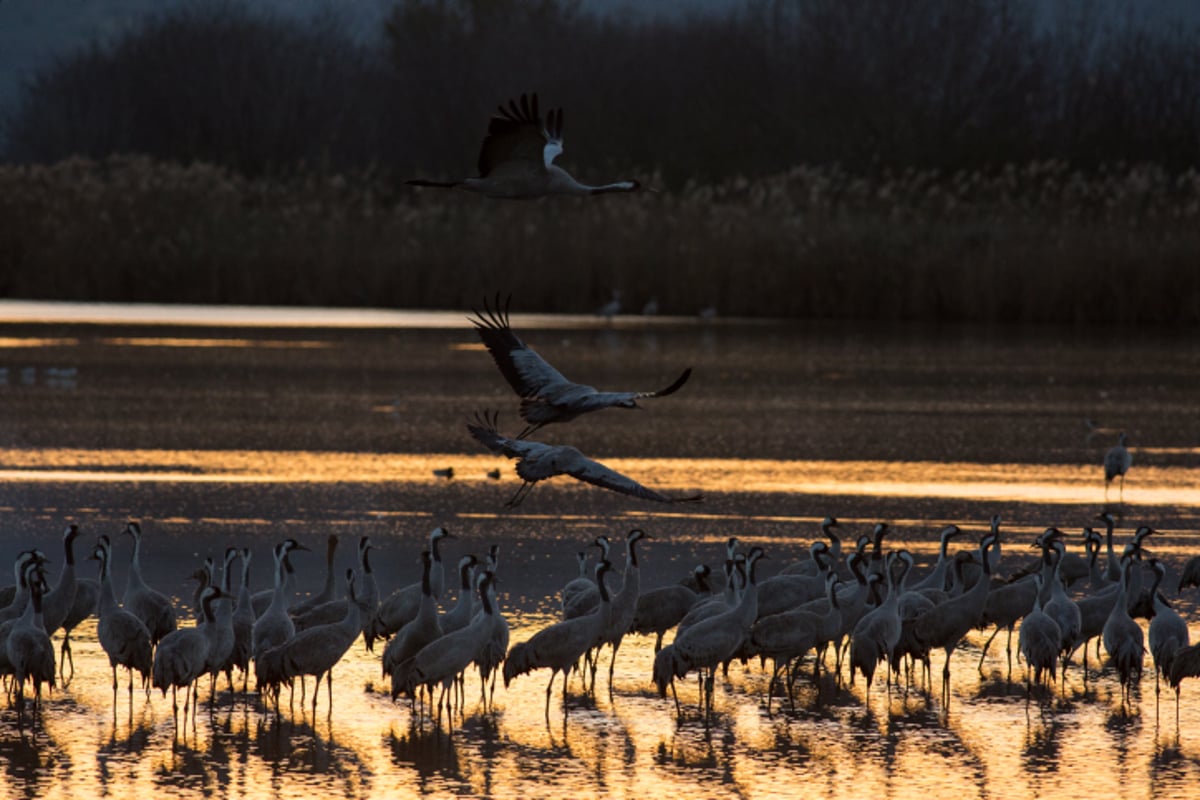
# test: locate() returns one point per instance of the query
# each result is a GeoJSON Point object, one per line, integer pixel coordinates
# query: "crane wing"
{"type": "Point", "coordinates": [580, 398]}
{"type": "Point", "coordinates": [595, 473]}
{"type": "Point", "coordinates": [484, 430]}
{"type": "Point", "coordinates": [516, 134]}
{"type": "Point", "coordinates": [526, 371]}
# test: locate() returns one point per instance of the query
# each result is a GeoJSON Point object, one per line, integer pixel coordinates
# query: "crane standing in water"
{"type": "Point", "coordinates": [1117, 462]}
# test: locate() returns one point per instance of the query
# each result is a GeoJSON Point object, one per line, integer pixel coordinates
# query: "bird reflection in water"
{"type": "Point", "coordinates": [1042, 750]}
{"type": "Point", "coordinates": [694, 750]}
{"type": "Point", "coordinates": [432, 754]}
{"type": "Point", "coordinates": [32, 760]}
{"type": "Point", "coordinates": [114, 755]}
{"type": "Point", "coordinates": [289, 747]}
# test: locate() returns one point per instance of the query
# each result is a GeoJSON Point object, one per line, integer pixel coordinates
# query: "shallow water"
{"type": "Point", "coordinates": [240, 430]}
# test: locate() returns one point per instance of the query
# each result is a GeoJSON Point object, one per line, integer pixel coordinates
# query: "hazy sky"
{"type": "Point", "coordinates": [32, 32]}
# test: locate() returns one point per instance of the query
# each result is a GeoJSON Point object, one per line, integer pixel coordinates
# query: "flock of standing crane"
{"type": "Point", "coordinates": [849, 612]}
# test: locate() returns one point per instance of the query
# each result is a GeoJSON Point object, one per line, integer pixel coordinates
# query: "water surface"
{"type": "Point", "coordinates": [238, 429]}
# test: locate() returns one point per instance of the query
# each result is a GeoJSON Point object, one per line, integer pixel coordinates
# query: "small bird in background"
{"type": "Point", "coordinates": [650, 309]}
{"type": "Point", "coordinates": [446, 473]}
{"type": "Point", "coordinates": [612, 307]}
{"type": "Point", "coordinates": [537, 461]}
{"type": "Point", "coordinates": [516, 160]}
{"type": "Point", "coordinates": [1116, 463]}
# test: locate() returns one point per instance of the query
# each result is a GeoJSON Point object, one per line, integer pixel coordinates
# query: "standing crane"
{"type": "Point", "coordinates": [711, 641]}
{"type": "Point", "coordinates": [624, 607]}
{"type": "Point", "coordinates": [401, 605]}
{"type": "Point", "coordinates": [243, 627]}
{"type": "Point", "coordinates": [546, 395]}
{"type": "Point", "coordinates": [446, 658]}
{"type": "Point", "coordinates": [561, 645]}
{"type": "Point", "coordinates": [124, 637]}
{"type": "Point", "coordinates": [416, 633]}
{"type": "Point", "coordinates": [661, 609]}
{"type": "Point", "coordinates": [491, 653]}
{"type": "Point", "coordinates": [946, 624]}
{"type": "Point", "coordinates": [314, 651]}
{"type": "Point", "coordinates": [1123, 639]}
{"type": "Point", "coordinates": [274, 627]}
{"type": "Point", "coordinates": [149, 605]}
{"type": "Point", "coordinates": [1039, 640]}
{"type": "Point", "coordinates": [28, 647]}
{"type": "Point", "coordinates": [877, 632]}
{"type": "Point", "coordinates": [1117, 462]}
{"type": "Point", "coordinates": [516, 160]}
{"type": "Point", "coordinates": [58, 602]}
{"type": "Point", "coordinates": [181, 656]}
{"type": "Point", "coordinates": [1168, 631]}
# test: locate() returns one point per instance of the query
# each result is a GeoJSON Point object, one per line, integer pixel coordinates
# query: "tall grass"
{"type": "Point", "coordinates": [1032, 243]}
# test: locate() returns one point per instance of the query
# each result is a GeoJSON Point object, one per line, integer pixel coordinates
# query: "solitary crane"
{"type": "Point", "coordinates": [516, 160]}
{"type": "Point", "coordinates": [537, 461]}
{"type": "Point", "coordinates": [547, 396]}
{"type": "Point", "coordinates": [1116, 463]}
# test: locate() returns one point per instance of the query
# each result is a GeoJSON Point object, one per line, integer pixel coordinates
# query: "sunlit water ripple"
{"type": "Point", "coordinates": [94, 434]}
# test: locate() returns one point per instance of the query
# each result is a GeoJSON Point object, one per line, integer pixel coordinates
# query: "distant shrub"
{"type": "Point", "coordinates": [1036, 243]}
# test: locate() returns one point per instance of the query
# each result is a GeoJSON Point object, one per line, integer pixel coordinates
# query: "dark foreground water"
{"type": "Point", "coordinates": [239, 429]}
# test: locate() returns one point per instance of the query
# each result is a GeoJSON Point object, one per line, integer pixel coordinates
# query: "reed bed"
{"type": "Point", "coordinates": [1038, 242]}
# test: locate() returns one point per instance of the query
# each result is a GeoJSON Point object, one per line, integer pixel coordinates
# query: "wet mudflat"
{"type": "Point", "coordinates": [217, 436]}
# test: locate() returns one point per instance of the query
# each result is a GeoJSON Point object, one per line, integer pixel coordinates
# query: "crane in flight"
{"type": "Point", "coordinates": [546, 395]}
{"type": "Point", "coordinates": [516, 160]}
{"type": "Point", "coordinates": [537, 461]}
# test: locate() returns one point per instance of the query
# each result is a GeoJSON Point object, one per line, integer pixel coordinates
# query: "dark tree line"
{"type": "Point", "coordinates": [868, 84]}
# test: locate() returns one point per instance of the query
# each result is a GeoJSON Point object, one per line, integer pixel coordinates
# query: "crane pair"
{"type": "Point", "coordinates": [548, 397]}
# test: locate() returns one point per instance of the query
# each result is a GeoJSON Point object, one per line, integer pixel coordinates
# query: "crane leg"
{"type": "Point", "coordinates": [986, 645]}
{"type": "Point", "coordinates": [611, 666]}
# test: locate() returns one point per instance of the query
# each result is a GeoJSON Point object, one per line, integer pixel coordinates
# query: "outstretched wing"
{"type": "Point", "coordinates": [580, 399]}
{"type": "Point", "coordinates": [526, 372]}
{"type": "Point", "coordinates": [516, 134]}
{"type": "Point", "coordinates": [585, 469]}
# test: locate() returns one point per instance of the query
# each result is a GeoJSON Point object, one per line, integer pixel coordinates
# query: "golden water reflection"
{"type": "Point", "coordinates": [1034, 483]}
